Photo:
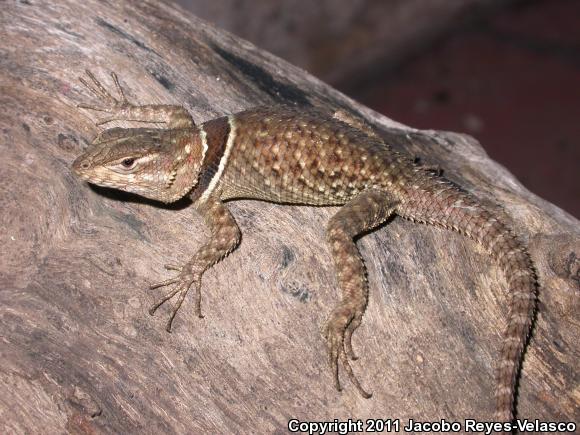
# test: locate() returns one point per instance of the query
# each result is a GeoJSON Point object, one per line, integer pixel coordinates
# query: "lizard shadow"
{"type": "Point", "coordinates": [119, 195]}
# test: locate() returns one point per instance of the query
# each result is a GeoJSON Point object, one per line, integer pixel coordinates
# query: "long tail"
{"type": "Point", "coordinates": [438, 202]}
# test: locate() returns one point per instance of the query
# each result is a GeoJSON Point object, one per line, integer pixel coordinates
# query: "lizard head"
{"type": "Point", "coordinates": [163, 165]}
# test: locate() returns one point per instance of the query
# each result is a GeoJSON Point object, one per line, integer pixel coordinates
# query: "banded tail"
{"type": "Point", "coordinates": [438, 202]}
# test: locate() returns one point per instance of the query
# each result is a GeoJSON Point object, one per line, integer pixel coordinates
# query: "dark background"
{"type": "Point", "coordinates": [506, 72]}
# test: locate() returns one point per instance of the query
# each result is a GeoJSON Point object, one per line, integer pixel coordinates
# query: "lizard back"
{"type": "Point", "coordinates": [290, 156]}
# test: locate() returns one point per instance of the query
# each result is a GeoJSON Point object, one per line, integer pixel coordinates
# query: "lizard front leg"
{"type": "Point", "coordinates": [225, 236]}
{"type": "Point", "coordinates": [364, 212]}
{"type": "Point", "coordinates": [120, 109]}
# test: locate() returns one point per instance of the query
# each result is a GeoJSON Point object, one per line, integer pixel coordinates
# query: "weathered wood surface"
{"type": "Point", "coordinates": [79, 352]}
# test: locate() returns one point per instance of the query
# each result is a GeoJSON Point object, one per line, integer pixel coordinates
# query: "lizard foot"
{"type": "Point", "coordinates": [352, 326]}
{"type": "Point", "coordinates": [338, 332]}
{"type": "Point", "coordinates": [116, 108]}
{"type": "Point", "coordinates": [183, 282]}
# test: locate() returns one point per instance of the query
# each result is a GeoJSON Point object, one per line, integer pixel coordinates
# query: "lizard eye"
{"type": "Point", "coordinates": [128, 163]}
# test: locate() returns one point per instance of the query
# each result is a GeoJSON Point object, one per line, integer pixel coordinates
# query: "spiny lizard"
{"type": "Point", "coordinates": [300, 156]}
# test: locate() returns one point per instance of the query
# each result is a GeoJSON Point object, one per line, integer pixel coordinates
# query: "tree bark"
{"type": "Point", "coordinates": [81, 354]}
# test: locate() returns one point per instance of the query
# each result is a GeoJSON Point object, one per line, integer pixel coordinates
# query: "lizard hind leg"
{"type": "Point", "coordinates": [366, 211]}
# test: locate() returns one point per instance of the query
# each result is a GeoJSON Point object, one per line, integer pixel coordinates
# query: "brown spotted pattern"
{"type": "Point", "coordinates": [364, 212]}
{"type": "Point", "coordinates": [304, 157]}
{"type": "Point", "coordinates": [290, 156]}
{"type": "Point", "coordinates": [440, 203]}
{"type": "Point", "coordinates": [293, 156]}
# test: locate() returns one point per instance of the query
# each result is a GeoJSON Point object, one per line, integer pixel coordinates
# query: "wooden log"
{"type": "Point", "coordinates": [81, 354]}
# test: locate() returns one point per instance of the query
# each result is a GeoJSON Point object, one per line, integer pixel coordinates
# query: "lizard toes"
{"type": "Point", "coordinates": [334, 335]}
{"type": "Point", "coordinates": [352, 326]}
{"type": "Point", "coordinates": [162, 300]}
{"type": "Point", "coordinates": [164, 283]}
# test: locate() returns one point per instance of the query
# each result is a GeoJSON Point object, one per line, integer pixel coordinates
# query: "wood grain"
{"type": "Point", "coordinates": [79, 352]}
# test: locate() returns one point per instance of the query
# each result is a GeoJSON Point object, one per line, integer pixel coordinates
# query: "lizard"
{"type": "Point", "coordinates": [307, 157]}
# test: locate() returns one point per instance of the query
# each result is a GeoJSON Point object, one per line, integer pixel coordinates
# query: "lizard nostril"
{"type": "Point", "coordinates": [85, 165]}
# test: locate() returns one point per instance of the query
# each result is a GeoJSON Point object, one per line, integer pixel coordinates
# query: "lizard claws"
{"type": "Point", "coordinates": [183, 283]}
{"type": "Point", "coordinates": [101, 92]}
{"type": "Point", "coordinates": [352, 326]}
{"type": "Point", "coordinates": [117, 108]}
{"type": "Point", "coordinates": [91, 107]}
{"type": "Point", "coordinates": [338, 332]}
{"type": "Point", "coordinates": [164, 283]}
